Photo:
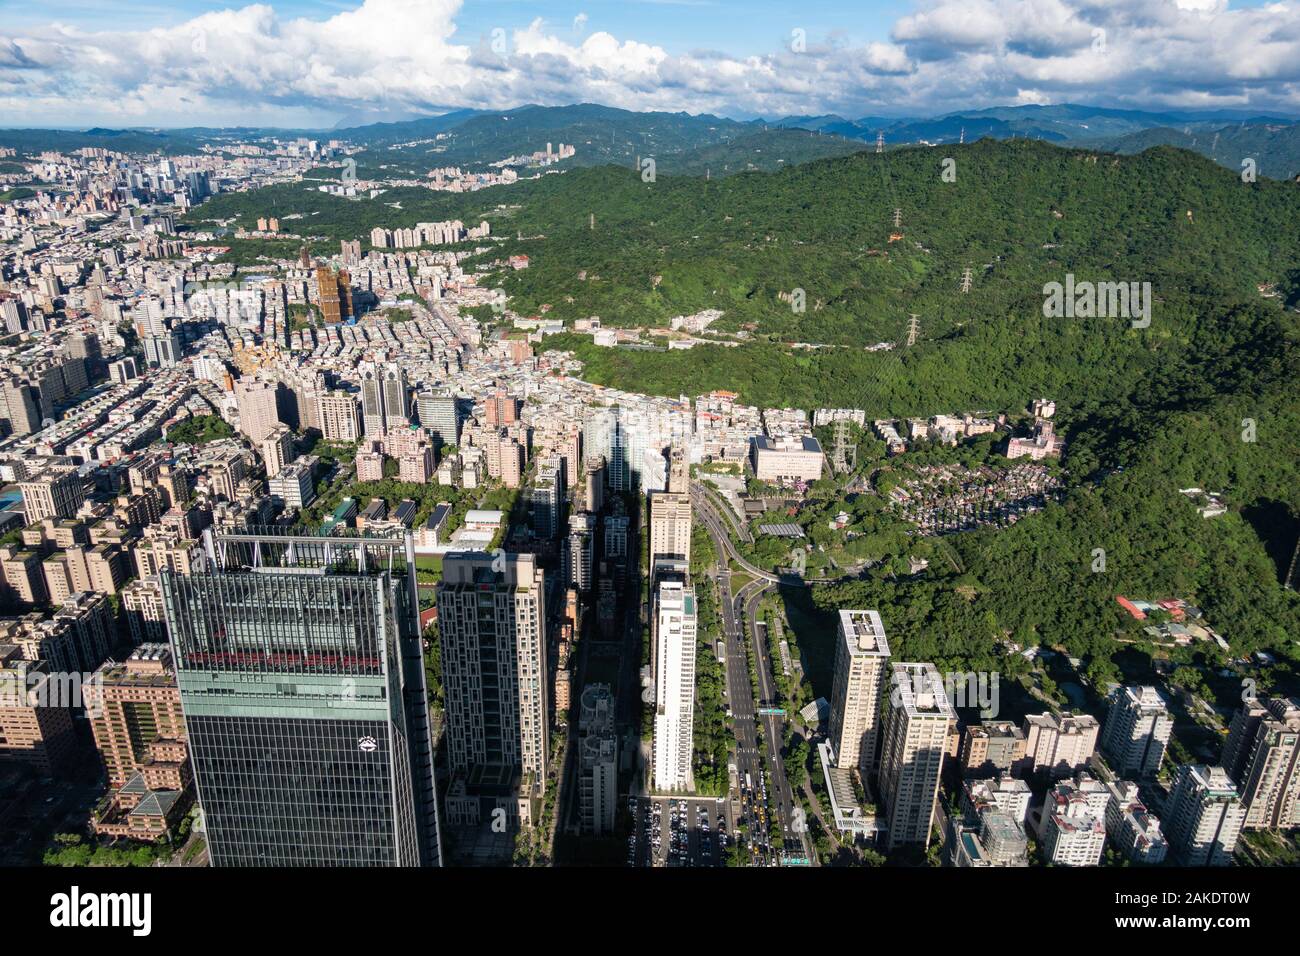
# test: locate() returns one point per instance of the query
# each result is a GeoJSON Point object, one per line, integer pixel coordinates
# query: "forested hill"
{"type": "Point", "coordinates": [1019, 214]}
{"type": "Point", "coordinates": [1275, 147]}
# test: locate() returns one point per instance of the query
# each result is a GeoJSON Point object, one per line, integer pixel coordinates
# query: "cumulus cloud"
{"type": "Point", "coordinates": [252, 65]}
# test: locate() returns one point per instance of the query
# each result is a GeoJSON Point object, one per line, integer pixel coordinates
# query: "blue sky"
{"type": "Point", "coordinates": [315, 62]}
{"type": "Point", "coordinates": [678, 25]}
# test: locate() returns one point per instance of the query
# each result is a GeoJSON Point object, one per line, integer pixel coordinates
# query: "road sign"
{"type": "Point", "coordinates": [795, 861]}
{"type": "Point", "coordinates": [772, 711]}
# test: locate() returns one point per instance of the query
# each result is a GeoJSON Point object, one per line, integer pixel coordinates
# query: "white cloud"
{"type": "Point", "coordinates": [250, 65]}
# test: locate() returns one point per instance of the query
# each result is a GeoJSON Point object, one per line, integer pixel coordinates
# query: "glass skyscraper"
{"type": "Point", "coordinates": [301, 673]}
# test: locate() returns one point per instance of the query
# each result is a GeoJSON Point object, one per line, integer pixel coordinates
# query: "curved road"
{"type": "Point", "coordinates": [740, 617]}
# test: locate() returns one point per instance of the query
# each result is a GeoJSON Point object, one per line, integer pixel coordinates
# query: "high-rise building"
{"type": "Point", "coordinates": [397, 405]}
{"type": "Point", "coordinates": [35, 724]}
{"type": "Point", "coordinates": [492, 631]}
{"type": "Point", "coordinates": [1136, 731]}
{"type": "Point", "coordinates": [593, 494]}
{"type": "Point", "coordinates": [258, 410]}
{"type": "Point", "coordinates": [137, 720]}
{"type": "Point", "coordinates": [993, 746]}
{"type": "Point", "coordinates": [606, 437]}
{"type": "Point", "coordinates": [1059, 744]}
{"type": "Point", "coordinates": [334, 292]}
{"type": "Point", "coordinates": [52, 493]}
{"type": "Point", "coordinates": [294, 486]}
{"type": "Point", "coordinates": [1263, 752]}
{"type": "Point", "coordinates": [670, 517]}
{"type": "Point", "coordinates": [277, 450]}
{"type": "Point", "coordinates": [500, 409]}
{"type": "Point", "coordinates": [578, 553]}
{"type": "Point", "coordinates": [143, 609]}
{"type": "Point", "coordinates": [1073, 827]}
{"type": "Point", "coordinates": [372, 398]}
{"type": "Point", "coordinates": [438, 417]}
{"type": "Point", "coordinates": [914, 736]}
{"type": "Point", "coordinates": [597, 761]}
{"type": "Point", "coordinates": [857, 694]}
{"type": "Point", "coordinates": [1133, 831]}
{"type": "Point", "coordinates": [674, 655]}
{"type": "Point", "coordinates": [546, 497]}
{"type": "Point", "coordinates": [1203, 816]}
{"type": "Point", "coordinates": [338, 417]}
{"type": "Point", "coordinates": [383, 398]}
{"type": "Point", "coordinates": [301, 673]}
{"type": "Point", "coordinates": [20, 407]}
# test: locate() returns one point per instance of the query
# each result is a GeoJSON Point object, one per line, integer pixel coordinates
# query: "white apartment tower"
{"type": "Point", "coordinates": [914, 736]}
{"type": "Point", "coordinates": [861, 671]}
{"type": "Point", "coordinates": [1203, 816]}
{"type": "Point", "coordinates": [1263, 752]}
{"type": "Point", "coordinates": [674, 644]}
{"type": "Point", "coordinates": [1136, 731]}
{"type": "Point", "coordinates": [1060, 744]}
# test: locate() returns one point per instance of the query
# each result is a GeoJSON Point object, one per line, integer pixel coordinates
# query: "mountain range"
{"type": "Point", "coordinates": [688, 144]}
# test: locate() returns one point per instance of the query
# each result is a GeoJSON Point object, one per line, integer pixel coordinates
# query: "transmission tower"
{"type": "Point", "coordinates": [913, 329]}
{"type": "Point", "coordinates": [965, 279]}
{"type": "Point", "coordinates": [898, 218]}
{"type": "Point", "coordinates": [963, 136]}
{"type": "Point", "coordinates": [591, 222]}
{"type": "Point", "coordinates": [880, 142]}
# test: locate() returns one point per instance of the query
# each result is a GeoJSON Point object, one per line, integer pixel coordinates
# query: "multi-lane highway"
{"type": "Point", "coordinates": [758, 793]}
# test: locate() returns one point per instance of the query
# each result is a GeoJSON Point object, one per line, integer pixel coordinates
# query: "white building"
{"type": "Point", "coordinates": [1133, 831]}
{"type": "Point", "coordinates": [674, 643]}
{"type": "Point", "coordinates": [1073, 833]}
{"type": "Point", "coordinates": [861, 672]}
{"type": "Point", "coordinates": [914, 739]}
{"type": "Point", "coordinates": [1136, 731]}
{"type": "Point", "coordinates": [1203, 816]}
{"type": "Point", "coordinates": [1060, 744]}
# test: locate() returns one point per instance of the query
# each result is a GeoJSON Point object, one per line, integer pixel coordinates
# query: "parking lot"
{"type": "Point", "coordinates": [684, 831]}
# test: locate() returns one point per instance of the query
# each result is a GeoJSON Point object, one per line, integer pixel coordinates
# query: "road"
{"type": "Point", "coordinates": [774, 730]}
{"type": "Point", "coordinates": [736, 609]}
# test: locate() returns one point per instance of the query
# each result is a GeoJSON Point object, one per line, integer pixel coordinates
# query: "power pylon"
{"type": "Point", "coordinates": [880, 141]}
{"type": "Point", "coordinates": [966, 279]}
{"type": "Point", "coordinates": [898, 218]}
{"type": "Point", "coordinates": [913, 329]}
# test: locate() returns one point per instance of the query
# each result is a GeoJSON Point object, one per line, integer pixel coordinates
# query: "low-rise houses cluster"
{"type": "Point", "coordinates": [944, 499]}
